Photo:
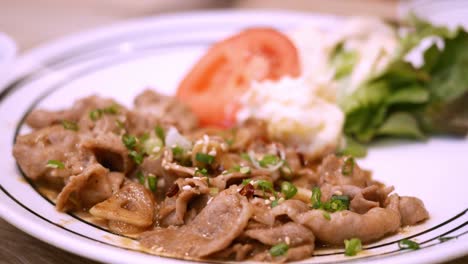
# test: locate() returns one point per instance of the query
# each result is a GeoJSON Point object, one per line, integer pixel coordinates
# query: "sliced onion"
{"type": "Point", "coordinates": [270, 168]}
{"type": "Point", "coordinates": [174, 138]}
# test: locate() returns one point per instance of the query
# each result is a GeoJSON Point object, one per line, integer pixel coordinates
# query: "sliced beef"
{"type": "Point", "coordinates": [43, 118]}
{"type": "Point", "coordinates": [34, 150]}
{"type": "Point", "coordinates": [152, 109]}
{"type": "Point", "coordinates": [412, 210]}
{"type": "Point", "coordinates": [338, 171]}
{"type": "Point", "coordinates": [374, 224]}
{"type": "Point", "coordinates": [217, 225]}
{"type": "Point", "coordinates": [291, 233]}
{"type": "Point", "coordinates": [133, 205]}
{"type": "Point", "coordinates": [290, 208]}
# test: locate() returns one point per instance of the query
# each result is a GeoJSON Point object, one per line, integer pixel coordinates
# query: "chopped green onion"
{"type": "Point", "coordinates": [214, 191]}
{"type": "Point", "coordinates": [408, 244]}
{"type": "Point", "coordinates": [95, 114]}
{"type": "Point", "coordinates": [230, 142]}
{"type": "Point", "coordinates": [326, 215]}
{"type": "Point", "coordinates": [70, 125]}
{"type": "Point", "coordinates": [288, 189]}
{"type": "Point", "coordinates": [113, 109]}
{"type": "Point", "coordinates": [316, 198]}
{"type": "Point", "coordinates": [265, 185]}
{"type": "Point", "coordinates": [141, 177]}
{"type": "Point", "coordinates": [245, 156]}
{"type": "Point", "coordinates": [136, 156]}
{"type": "Point", "coordinates": [120, 124]}
{"type": "Point", "coordinates": [269, 160]}
{"type": "Point", "coordinates": [129, 141]}
{"type": "Point", "coordinates": [152, 182]}
{"type": "Point", "coordinates": [152, 146]}
{"type": "Point", "coordinates": [246, 181]}
{"type": "Point", "coordinates": [204, 158]}
{"type": "Point", "coordinates": [55, 164]}
{"type": "Point", "coordinates": [337, 203]}
{"type": "Point", "coordinates": [244, 170]}
{"type": "Point", "coordinates": [159, 131]}
{"type": "Point", "coordinates": [279, 249]}
{"type": "Point", "coordinates": [348, 166]}
{"type": "Point", "coordinates": [352, 246]}
{"type": "Point", "coordinates": [286, 171]}
{"type": "Point", "coordinates": [203, 171]}
{"type": "Point", "coordinates": [177, 152]}
{"type": "Point", "coordinates": [274, 203]}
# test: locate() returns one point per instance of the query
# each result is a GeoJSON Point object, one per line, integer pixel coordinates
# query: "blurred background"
{"type": "Point", "coordinates": [34, 22]}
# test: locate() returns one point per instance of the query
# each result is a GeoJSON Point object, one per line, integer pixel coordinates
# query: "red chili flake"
{"type": "Point", "coordinates": [247, 191]}
{"type": "Point", "coordinates": [173, 190]}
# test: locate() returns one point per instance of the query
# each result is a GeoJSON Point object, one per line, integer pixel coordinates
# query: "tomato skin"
{"type": "Point", "coordinates": [214, 85]}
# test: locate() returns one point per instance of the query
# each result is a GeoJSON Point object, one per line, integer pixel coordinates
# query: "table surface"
{"type": "Point", "coordinates": [49, 16]}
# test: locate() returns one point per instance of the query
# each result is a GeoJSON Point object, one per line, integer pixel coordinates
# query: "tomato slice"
{"type": "Point", "coordinates": [214, 85]}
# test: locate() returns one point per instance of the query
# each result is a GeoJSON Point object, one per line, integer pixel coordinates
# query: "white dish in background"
{"type": "Point", "coordinates": [122, 60]}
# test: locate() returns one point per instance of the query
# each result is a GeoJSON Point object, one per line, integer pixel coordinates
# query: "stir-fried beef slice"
{"type": "Point", "coordinates": [251, 131]}
{"type": "Point", "coordinates": [223, 181]}
{"type": "Point", "coordinates": [152, 109]}
{"type": "Point", "coordinates": [374, 224]}
{"type": "Point", "coordinates": [342, 171]}
{"type": "Point", "coordinates": [295, 253]}
{"type": "Point", "coordinates": [34, 150]}
{"type": "Point", "coordinates": [291, 233]}
{"type": "Point", "coordinates": [361, 205]}
{"type": "Point", "coordinates": [153, 165]}
{"type": "Point", "coordinates": [133, 204]}
{"type": "Point", "coordinates": [369, 197]}
{"type": "Point", "coordinates": [174, 208]}
{"type": "Point", "coordinates": [237, 251]}
{"type": "Point", "coordinates": [412, 210]}
{"type": "Point", "coordinates": [43, 118]}
{"type": "Point", "coordinates": [214, 229]}
{"type": "Point", "coordinates": [262, 212]}
{"type": "Point", "coordinates": [290, 208]}
{"type": "Point", "coordinates": [84, 190]}
{"type": "Point", "coordinates": [109, 151]}
{"type": "Point", "coordinates": [306, 178]}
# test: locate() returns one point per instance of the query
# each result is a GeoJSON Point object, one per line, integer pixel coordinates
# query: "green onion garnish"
{"type": "Point", "coordinates": [70, 125]}
{"type": "Point", "coordinates": [55, 164]}
{"type": "Point", "coordinates": [244, 170]}
{"type": "Point", "coordinates": [177, 152]}
{"type": "Point", "coordinates": [352, 246]}
{"type": "Point", "coordinates": [245, 156]}
{"type": "Point", "coordinates": [316, 198]}
{"type": "Point", "coordinates": [408, 244]}
{"type": "Point", "coordinates": [246, 181]}
{"type": "Point", "coordinates": [348, 166]}
{"type": "Point", "coordinates": [120, 124]}
{"type": "Point", "coordinates": [326, 215]}
{"type": "Point", "coordinates": [113, 109]}
{"type": "Point", "coordinates": [129, 141]}
{"type": "Point", "coordinates": [136, 156]}
{"type": "Point", "coordinates": [141, 177]}
{"type": "Point", "coordinates": [279, 249]}
{"type": "Point", "coordinates": [152, 182]}
{"type": "Point", "coordinates": [337, 203]}
{"type": "Point", "coordinates": [268, 160]}
{"type": "Point", "coordinates": [203, 171]}
{"type": "Point", "coordinates": [152, 146]}
{"type": "Point", "coordinates": [204, 158]}
{"type": "Point", "coordinates": [274, 203]}
{"type": "Point", "coordinates": [288, 189]}
{"type": "Point", "coordinates": [265, 185]}
{"type": "Point", "coordinates": [159, 131]}
{"type": "Point", "coordinates": [95, 114]}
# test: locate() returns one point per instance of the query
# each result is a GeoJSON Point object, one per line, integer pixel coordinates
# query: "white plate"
{"type": "Point", "coordinates": [121, 61]}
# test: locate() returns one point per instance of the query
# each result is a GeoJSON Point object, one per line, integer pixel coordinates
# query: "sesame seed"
{"type": "Point", "coordinates": [187, 188]}
{"type": "Point", "coordinates": [212, 152]}
{"type": "Point", "coordinates": [272, 198]}
{"type": "Point", "coordinates": [267, 201]}
{"type": "Point", "coordinates": [287, 240]}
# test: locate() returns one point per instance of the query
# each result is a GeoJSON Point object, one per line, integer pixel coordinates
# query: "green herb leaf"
{"type": "Point", "coordinates": [353, 148]}
{"type": "Point", "coordinates": [69, 125]}
{"type": "Point", "coordinates": [159, 131]}
{"type": "Point", "coordinates": [408, 244]}
{"type": "Point", "coordinates": [137, 157]}
{"type": "Point", "coordinates": [352, 246]}
{"type": "Point", "coordinates": [316, 198]}
{"type": "Point", "coordinates": [343, 61]}
{"type": "Point", "coordinates": [141, 177]}
{"type": "Point", "coordinates": [269, 160]}
{"type": "Point", "coordinates": [204, 158]}
{"type": "Point", "coordinates": [55, 164]}
{"type": "Point", "coordinates": [95, 114]}
{"type": "Point", "coordinates": [348, 166]}
{"type": "Point", "coordinates": [288, 189]}
{"type": "Point", "coordinates": [279, 249]}
{"type": "Point", "coordinates": [129, 141]}
{"type": "Point", "coordinates": [152, 182]}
